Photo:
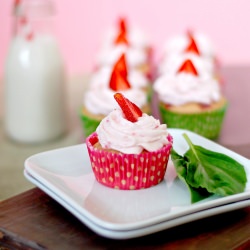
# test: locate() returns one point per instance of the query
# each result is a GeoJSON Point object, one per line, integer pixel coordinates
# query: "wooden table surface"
{"type": "Point", "coordinates": [33, 220]}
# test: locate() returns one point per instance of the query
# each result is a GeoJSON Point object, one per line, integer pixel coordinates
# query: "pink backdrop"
{"type": "Point", "coordinates": [80, 23]}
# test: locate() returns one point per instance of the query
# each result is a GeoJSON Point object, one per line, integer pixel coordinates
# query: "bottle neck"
{"type": "Point", "coordinates": [33, 18]}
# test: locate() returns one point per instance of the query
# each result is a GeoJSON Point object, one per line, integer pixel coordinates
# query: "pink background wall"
{"type": "Point", "coordinates": [80, 23]}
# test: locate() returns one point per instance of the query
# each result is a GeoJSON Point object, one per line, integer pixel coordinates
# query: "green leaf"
{"type": "Point", "coordinates": [206, 172]}
{"type": "Point", "coordinates": [197, 194]}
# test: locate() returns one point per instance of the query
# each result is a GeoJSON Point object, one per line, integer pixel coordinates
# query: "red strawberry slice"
{"type": "Point", "coordinates": [192, 46]}
{"type": "Point", "coordinates": [130, 110]}
{"type": "Point", "coordinates": [121, 66]}
{"type": "Point", "coordinates": [121, 38]}
{"type": "Point", "coordinates": [122, 25]}
{"type": "Point", "coordinates": [122, 34]}
{"type": "Point", "coordinates": [188, 67]}
{"type": "Point", "coordinates": [118, 82]}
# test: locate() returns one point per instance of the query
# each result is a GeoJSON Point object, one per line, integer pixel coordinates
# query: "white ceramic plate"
{"type": "Point", "coordinates": [128, 234]}
{"type": "Point", "coordinates": [67, 173]}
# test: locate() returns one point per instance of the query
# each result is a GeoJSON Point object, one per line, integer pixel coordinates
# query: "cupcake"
{"type": "Point", "coordinates": [98, 99]}
{"type": "Point", "coordinates": [130, 149]}
{"type": "Point", "coordinates": [132, 42]}
{"type": "Point", "coordinates": [191, 101]}
{"type": "Point", "coordinates": [191, 40]}
{"type": "Point", "coordinates": [186, 47]}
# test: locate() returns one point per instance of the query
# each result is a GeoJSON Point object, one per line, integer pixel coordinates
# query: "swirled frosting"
{"type": "Point", "coordinates": [184, 88]}
{"type": "Point", "coordinates": [108, 56]}
{"type": "Point", "coordinates": [100, 99]}
{"type": "Point", "coordinates": [116, 132]}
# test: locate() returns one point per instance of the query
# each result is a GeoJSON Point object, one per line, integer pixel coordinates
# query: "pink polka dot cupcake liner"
{"type": "Point", "coordinates": [128, 171]}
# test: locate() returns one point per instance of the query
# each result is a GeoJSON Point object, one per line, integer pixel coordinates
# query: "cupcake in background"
{"type": "Point", "coordinates": [171, 63]}
{"type": "Point", "coordinates": [188, 41]}
{"type": "Point", "coordinates": [130, 149]}
{"type": "Point", "coordinates": [190, 100]}
{"type": "Point", "coordinates": [130, 41]}
{"type": "Point", "coordinates": [194, 46]}
{"type": "Point", "coordinates": [98, 99]}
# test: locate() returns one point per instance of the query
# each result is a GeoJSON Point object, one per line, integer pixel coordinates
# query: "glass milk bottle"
{"type": "Point", "coordinates": [34, 76]}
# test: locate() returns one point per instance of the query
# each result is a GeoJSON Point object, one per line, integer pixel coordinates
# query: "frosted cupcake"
{"type": "Point", "coordinates": [130, 149]}
{"type": "Point", "coordinates": [190, 101]}
{"type": "Point", "coordinates": [98, 100]}
{"type": "Point", "coordinates": [132, 42]}
{"type": "Point", "coordinates": [181, 43]}
{"type": "Point", "coordinates": [199, 51]}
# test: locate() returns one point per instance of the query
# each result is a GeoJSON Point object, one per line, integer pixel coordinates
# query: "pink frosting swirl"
{"type": "Point", "coordinates": [184, 88]}
{"type": "Point", "coordinates": [116, 132]}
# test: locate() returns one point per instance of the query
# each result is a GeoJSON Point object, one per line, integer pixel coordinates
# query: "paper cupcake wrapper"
{"type": "Point", "coordinates": [207, 124]}
{"type": "Point", "coordinates": [149, 93]}
{"type": "Point", "coordinates": [89, 124]}
{"type": "Point", "coordinates": [128, 171]}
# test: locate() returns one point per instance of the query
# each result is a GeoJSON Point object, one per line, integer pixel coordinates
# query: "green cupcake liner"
{"type": "Point", "coordinates": [207, 124]}
{"type": "Point", "coordinates": [149, 93]}
{"type": "Point", "coordinates": [89, 124]}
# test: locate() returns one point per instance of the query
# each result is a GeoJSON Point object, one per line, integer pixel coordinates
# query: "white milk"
{"type": "Point", "coordinates": [34, 90]}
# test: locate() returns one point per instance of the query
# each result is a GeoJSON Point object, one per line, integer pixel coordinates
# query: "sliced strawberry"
{"type": "Point", "coordinates": [118, 82]}
{"type": "Point", "coordinates": [188, 67]}
{"type": "Point", "coordinates": [122, 25]}
{"type": "Point", "coordinates": [121, 66]}
{"type": "Point", "coordinates": [122, 33]}
{"type": "Point", "coordinates": [192, 46]}
{"type": "Point", "coordinates": [121, 38]}
{"type": "Point", "coordinates": [130, 110]}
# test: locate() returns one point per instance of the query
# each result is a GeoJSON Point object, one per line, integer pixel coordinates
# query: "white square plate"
{"type": "Point", "coordinates": [128, 234]}
{"type": "Point", "coordinates": [66, 175]}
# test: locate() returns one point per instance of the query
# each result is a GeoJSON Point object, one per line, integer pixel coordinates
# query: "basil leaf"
{"type": "Point", "coordinates": [206, 172]}
{"type": "Point", "coordinates": [197, 194]}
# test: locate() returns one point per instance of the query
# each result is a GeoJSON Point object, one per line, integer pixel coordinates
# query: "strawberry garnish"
{"type": "Point", "coordinates": [121, 38]}
{"type": "Point", "coordinates": [122, 25]}
{"type": "Point", "coordinates": [192, 46]}
{"type": "Point", "coordinates": [188, 67]}
{"type": "Point", "coordinates": [122, 34]}
{"type": "Point", "coordinates": [121, 66]}
{"type": "Point", "coordinates": [129, 109]}
{"type": "Point", "coordinates": [118, 82]}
